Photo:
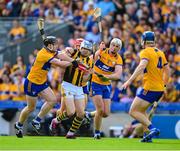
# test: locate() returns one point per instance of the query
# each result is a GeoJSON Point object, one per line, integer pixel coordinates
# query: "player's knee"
{"type": "Point", "coordinates": [100, 112]}
{"type": "Point", "coordinates": [31, 109]}
{"type": "Point", "coordinates": [53, 101]}
{"type": "Point", "coordinates": [80, 114]}
{"type": "Point", "coordinates": [131, 112]}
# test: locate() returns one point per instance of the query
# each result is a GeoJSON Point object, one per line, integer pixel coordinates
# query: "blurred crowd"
{"type": "Point", "coordinates": [124, 19]}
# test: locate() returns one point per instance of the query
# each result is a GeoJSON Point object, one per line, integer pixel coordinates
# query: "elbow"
{"type": "Point", "coordinates": [142, 68]}
{"type": "Point", "coordinates": [116, 77]}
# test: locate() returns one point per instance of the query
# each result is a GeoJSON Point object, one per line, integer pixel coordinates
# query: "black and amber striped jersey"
{"type": "Point", "coordinates": [74, 75]}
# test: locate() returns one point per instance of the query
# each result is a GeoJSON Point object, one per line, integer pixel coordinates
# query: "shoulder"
{"type": "Point", "coordinates": [119, 59]}
{"type": "Point", "coordinates": [145, 51]}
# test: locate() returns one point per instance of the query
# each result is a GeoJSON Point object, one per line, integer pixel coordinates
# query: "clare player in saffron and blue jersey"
{"type": "Point", "coordinates": [108, 66]}
{"type": "Point", "coordinates": [36, 83]}
{"type": "Point", "coordinates": [156, 75]}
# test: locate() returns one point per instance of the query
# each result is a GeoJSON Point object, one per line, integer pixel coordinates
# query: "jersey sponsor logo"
{"type": "Point", "coordinates": [104, 67]}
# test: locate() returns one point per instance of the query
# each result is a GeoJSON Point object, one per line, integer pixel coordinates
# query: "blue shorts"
{"type": "Point", "coordinates": [33, 89]}
{"type": "Point", "coordinates": [150, 96]}
{"type": "Point", "coordinates": [103, 90]}
{"type": "Point", "coordinates": [85, 89]}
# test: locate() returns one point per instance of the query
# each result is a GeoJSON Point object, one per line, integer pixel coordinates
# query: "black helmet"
{"type": "Point", "coordinates": [49, 40]}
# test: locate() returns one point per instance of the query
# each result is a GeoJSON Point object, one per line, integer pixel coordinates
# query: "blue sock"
{"type": "Point", "coordinates": [89, 114]}
{"type": "Point", "coordinates": [38, 119]}
{"type": "Point", "coordinates": [97, 131]}
{"type": "Point", "coordinates": [150, 127]}
{"type": "Point", "coordinates": [19, 124]}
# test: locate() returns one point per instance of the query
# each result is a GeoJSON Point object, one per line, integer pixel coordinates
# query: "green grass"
{"type": "Point", "coordinates": [83, 143]}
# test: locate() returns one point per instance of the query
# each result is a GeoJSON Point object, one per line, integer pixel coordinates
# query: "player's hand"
{"type": "Point", "coordinates": [75, 63]}
{"type": "Point", "coordinates": [102, 77]}
{"type": "Point", "coordinates": [90, 71]}
{"type": "Point", "coordinates": [83, 67]}
{"type": "Point", "coordinates": [102, 45]}
{"type": "Point", "coordinates": [125, 85]}
{"type": "Point", "coordinates": [69, 51]}
{"type": "Point", "coordinates": [165, 87]}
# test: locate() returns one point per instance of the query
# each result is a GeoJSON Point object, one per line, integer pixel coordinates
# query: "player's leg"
{"type": "Point", "coordinates": [67, 113]}
{"type": "Point", "coordinates": [51, 100]}
{"type": "Point", "coordinates": [31, 105]}
{"type": "Point", "coordinates": [137, 131]}
{"type": "Point", "coordinates": [99, 105]}
{"type": "Point", "coordinates": [68, 107]}
{"type": "Point", "coordinates": [31, 92]}
{"type": "Point", "coordinates": [138, 111]}
{"type": "Point", "coordinates": [97, 92]}
{"type": "Point", "coordinates": [62, 108]}
{"type": "Point", "coordinates": [68, 104]}
{"type": "Point", "coordinates": [77, 121]}
{"type": "Point", "coordinates": [106, 100]}
{"type": "Point", "coordinates": [107, 103]}
{"type": "Point", "coordinates": [88, 115]}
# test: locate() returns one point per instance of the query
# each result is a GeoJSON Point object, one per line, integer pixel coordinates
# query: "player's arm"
{"type": "Point", "coordinates": [166, 70]}
{"type": "Point", "coordinates": [63, 56]}
{"type": "Point", "coordinates": [139, 70]}
{"type": "Point", "coordinates": [166, 74]}
{"type": "Point", "coordinates": [63, 64]}
{"type": "Point", "coordinates": [117, 73]}
{"type": "Point", "coordinates": [87, 75]}
{"type": "Point", "coordinates": [102, 47]}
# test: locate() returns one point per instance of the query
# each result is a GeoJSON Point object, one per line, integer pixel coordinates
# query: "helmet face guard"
{"type": "Point", "coordinates": [87, 45]}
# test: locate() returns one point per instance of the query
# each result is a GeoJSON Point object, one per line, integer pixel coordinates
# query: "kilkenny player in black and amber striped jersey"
{"type": "Point", "coordinates": [75, 75]}
{"type": "Point", "coordinates": [72, 90]}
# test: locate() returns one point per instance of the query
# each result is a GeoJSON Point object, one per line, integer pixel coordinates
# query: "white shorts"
{"type": "Point", "coordinates": [69, 90]}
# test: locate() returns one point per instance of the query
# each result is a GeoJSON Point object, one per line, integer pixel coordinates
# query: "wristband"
{"type": "Point", "coordinates": [75, 63]}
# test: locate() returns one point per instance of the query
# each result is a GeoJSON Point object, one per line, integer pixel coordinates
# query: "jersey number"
{"type": "Point", "coordinates": [159, 65]}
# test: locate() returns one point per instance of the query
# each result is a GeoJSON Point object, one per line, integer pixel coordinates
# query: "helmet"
{"type": "Point", "coordinates": [49, 40]}
{"type": "Point", "coordinates": [78, 41]}
{"type": "Point", "coordinates": [117, 41]}
{"type": "Point", "coordinates": [86, 44]}
{"type": "Point", "coordinates": [147, 36]}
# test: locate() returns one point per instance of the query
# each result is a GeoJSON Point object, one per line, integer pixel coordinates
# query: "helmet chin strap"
{"type": "Point", "coordinates": [51, 50]}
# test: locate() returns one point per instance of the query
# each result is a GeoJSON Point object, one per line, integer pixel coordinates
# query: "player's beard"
{"type": "Point", "coordinates": [113, 51]}
{"type": "Point", "coordinates": [86, 54]}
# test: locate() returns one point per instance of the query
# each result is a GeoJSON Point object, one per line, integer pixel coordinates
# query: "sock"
{"type": "Point", "coordinates": [145, 133]}
{"type": "Point", "coordinates": [97, 131]}
{"type": "Point", "coordinates": [92, 114]}
{"type": "Point", "coordinates": [62, 116]}
{"type": "Point", "coordinates": [76, 124]}
{"type": "Point", "coordinates": [20, 124]}
{"type": "Point", "coordinates": [150, 127]}
{"type": "Point", "coordinates": [88, 114]}
{"type": "Point", "coordinates": [38, 119]}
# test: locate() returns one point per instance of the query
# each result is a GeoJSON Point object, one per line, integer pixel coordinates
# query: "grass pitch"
{"type": "Point", "coordinates": [83, 144]}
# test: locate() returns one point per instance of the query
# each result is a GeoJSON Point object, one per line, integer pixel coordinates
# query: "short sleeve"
{"type": "Point", "coordinates": [164, 59]}
{"type": "Point", "coordinates": [119, 61]}
{"type": "Point", "coordinates": [144, 55]}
